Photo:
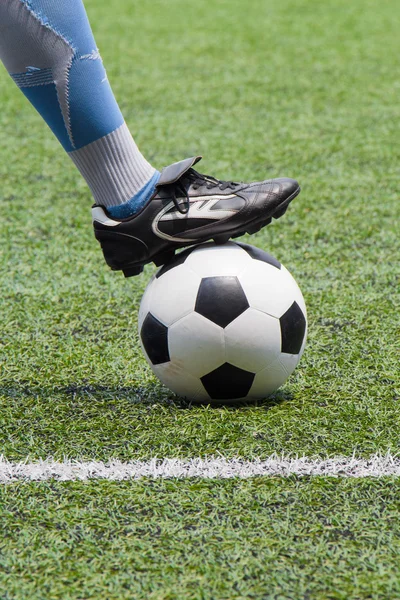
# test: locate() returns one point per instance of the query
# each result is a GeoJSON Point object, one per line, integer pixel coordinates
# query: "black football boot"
{"type": "Point", "coordinates": [189, 208]}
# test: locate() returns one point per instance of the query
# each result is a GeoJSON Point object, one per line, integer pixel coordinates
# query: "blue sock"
{"type": "Point", "coordinates": [139, 200]}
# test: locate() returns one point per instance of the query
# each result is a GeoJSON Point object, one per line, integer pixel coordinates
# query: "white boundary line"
{"type": "Point", "coordinates": [207, 468]}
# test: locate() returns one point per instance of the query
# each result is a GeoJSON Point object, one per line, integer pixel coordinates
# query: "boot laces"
{"type": "Point", "coordinates": [196, 179]}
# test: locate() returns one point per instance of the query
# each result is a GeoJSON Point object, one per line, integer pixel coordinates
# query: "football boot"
{"type": "Point", "coordinates": [188, 208]}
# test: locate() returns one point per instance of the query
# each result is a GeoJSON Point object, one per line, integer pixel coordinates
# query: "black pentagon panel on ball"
{"type": "Point", "coordinates": [221, 299]}
{"type": "Point", "coordinates": [228, 382]}
{"type": "Point", "coordinates": [154, 335]}
{"type": "Point", "coordinates": [293, 327]}
{"type": "Point", "coordinates": [258, 254]}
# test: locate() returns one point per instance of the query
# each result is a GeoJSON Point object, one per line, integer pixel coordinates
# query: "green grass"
{"type": "Point", "coordinates": [255, 539]}
{"type": "Point", "coordinates": [262, 89]}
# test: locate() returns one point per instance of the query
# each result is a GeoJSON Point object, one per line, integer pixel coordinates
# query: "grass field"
{"type": "Point", "coordinates": [262, 89]}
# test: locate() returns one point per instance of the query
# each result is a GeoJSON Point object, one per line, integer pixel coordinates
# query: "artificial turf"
{"type": "Point", "coordinates": [258, 539]}
{"type": "Point", "coordinates": [262, 89]}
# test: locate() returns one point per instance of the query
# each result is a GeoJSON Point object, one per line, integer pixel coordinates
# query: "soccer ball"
{"type": "Point", "coordinates": [222, 323]}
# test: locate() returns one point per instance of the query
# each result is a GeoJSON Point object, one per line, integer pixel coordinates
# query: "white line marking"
{"type": "Point", "coordinates": [208, 468]}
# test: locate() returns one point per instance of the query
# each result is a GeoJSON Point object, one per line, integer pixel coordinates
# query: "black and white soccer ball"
{"type": "Point", "coordinates": [223, 323]}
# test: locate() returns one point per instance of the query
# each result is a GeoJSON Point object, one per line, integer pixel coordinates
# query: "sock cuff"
{"type": "Point", "coordinates": [113, 167]}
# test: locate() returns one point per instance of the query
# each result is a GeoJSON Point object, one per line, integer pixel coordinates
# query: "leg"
{"type": "Point", "coordinates": [49, 50]}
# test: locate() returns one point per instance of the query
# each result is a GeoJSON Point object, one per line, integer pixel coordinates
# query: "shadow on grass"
{"type": "Point", "coordinates": [141, 395]}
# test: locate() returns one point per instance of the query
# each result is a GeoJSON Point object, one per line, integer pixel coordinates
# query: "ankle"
{"type": "Point", "coordinates": [137, 202]}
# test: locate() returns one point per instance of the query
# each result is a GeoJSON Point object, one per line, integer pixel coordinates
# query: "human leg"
{"type": "Point", "coordinates": [49, 50]}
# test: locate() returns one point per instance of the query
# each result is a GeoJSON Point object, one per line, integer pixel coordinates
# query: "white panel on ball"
{"type": "Point", "coordinates": [269, 289]}
{"type": "Point", "coordinates": [268, 380]}
{"type": "Point", "coordinates": [296, 291]}
{"type": "Point", "coordinates": [174, 294]}
{"type": "Point", "coordinates": [213, 261]}
{"type": "Point", "coordinates": [252, 341]}
{"type": "Point", "coordinates": [196, 344]}
{"type": "Point", "coordinates": [289, 362]}
{"type": "Point", "coordinates": [175, 377]}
